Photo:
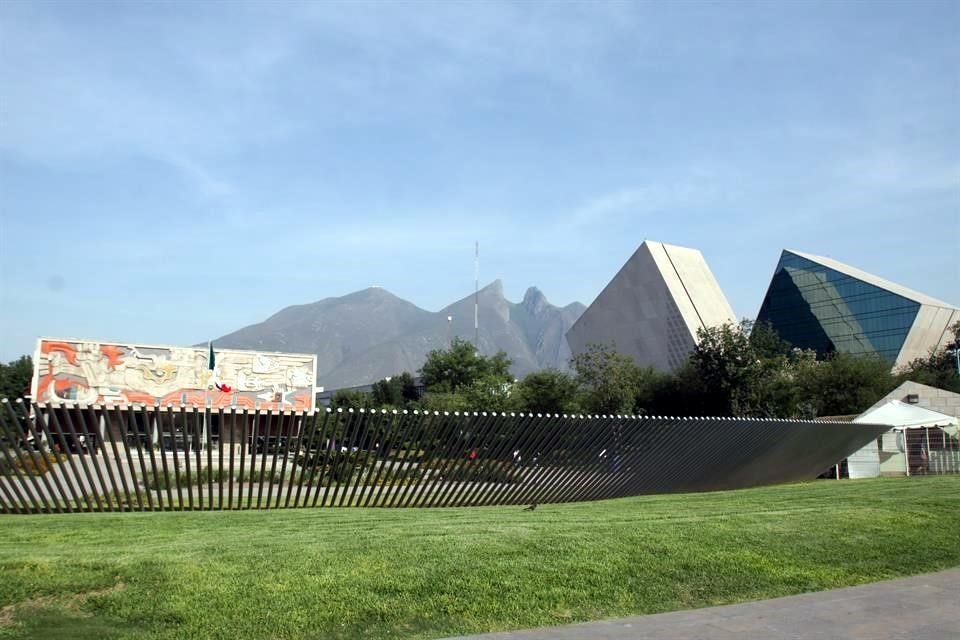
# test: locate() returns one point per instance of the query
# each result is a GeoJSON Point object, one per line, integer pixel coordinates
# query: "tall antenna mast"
{"type": "Point", "coordinates": [476, 297]}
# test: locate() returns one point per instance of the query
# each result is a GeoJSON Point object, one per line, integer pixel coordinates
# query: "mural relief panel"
{"type": "Point", "coordinates": [109, 373]}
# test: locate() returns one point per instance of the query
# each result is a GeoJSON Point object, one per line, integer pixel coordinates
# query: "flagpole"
{"type": "Point", "coordinates": [206, 389]}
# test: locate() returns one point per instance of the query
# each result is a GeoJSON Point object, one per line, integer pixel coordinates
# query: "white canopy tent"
{"type": "Point", "coordinates": [903, 417]}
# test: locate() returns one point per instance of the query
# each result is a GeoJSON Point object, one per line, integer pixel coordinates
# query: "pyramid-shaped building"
{"type": "Point", "coordinates": [820, 304]}
{"type": "Point", "coordinates": [653, 307]}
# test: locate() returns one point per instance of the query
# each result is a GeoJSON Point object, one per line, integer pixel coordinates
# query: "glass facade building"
{"type": "Point", "coordinates": [819, 304]}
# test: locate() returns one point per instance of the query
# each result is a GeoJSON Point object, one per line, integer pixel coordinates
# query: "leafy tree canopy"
{"type": "Point", "coordinates": [351, 399]}
{"type": "Point", "coordinates": [396, 391]}
{"type": "Point", "coordinates": [15, 377]}
{"type": "Point", "coordinates": [846, 384]}
{"type": "Point", "coordinates": [460, 366]}
{"type": "Point", "coordinates": [608, 380]}
{"type": "Point", "coordinates": [548, 391]}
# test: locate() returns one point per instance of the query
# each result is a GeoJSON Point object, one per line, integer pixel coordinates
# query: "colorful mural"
{"type": "Point", "coordinates": [87, 372]}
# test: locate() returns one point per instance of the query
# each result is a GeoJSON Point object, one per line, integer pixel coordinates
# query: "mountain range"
{"type": "Point", "coordinates": [367, 335]}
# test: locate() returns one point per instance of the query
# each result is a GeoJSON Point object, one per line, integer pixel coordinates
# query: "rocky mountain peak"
{"type": "Point", "coordinates": [493, 290]}
{"type": "Point", "coordinates": [534, 301]}
{"type": "Point", "coordinates": [363, 336]}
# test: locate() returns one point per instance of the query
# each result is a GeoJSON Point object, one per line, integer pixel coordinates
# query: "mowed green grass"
{"type": "Point", "coordinates": [348, 573]}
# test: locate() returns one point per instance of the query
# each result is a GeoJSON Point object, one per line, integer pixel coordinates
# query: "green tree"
{"type": "Point", "coordinates": [460, 366]}
{"type": "Point", "coordinates": [764, 339]}
{"type": "Point", "coordinates": [489, 393]}
{"type": "Point", "coordinates": [15, 377]}
{"type": "Point", "coordinates": [607, 380]}
{"type": "Point", "coordinates": [442, 401]}
{"type": "Point", "coordinates": [845, 384]}
{"type": "Point", "coordinates": [652, 389]}
{"type": "Point", "coordinates": [351, 399]}
{"type": "Point", "coordinates": [547, 391]}
{"type": "Point", "coordinates": [396, 391]}
{"type": "Point", "coordinates": [722, 368]}
{"type": "Point", "coordinates": [744, 370]}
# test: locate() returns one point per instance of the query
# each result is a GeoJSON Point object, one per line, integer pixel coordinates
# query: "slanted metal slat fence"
{"type": "Point", "coordinates": [65, 458]}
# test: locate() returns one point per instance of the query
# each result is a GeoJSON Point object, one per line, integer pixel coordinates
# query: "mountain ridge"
{"type": "Point", "coordinates": [371, 333]}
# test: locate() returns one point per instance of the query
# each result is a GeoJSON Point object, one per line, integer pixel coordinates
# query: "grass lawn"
{"type": "Point", "coordinates": [347, 573]}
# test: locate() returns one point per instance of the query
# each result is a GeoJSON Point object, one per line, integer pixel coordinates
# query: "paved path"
{"type": "Point", "coordinates": [925, 607]}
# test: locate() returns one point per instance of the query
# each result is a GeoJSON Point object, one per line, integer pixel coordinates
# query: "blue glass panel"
{"type": "Point", "coordinates": [814, 307]}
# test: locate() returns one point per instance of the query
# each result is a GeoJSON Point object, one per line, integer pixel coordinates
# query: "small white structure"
{"type": "Point", "coordinates": [920, 441]}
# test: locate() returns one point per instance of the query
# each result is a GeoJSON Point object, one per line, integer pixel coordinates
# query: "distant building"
{"type": "Point", "coordinates": [653, 307]}
{"type": "Point", "coordinates": [820, 304]}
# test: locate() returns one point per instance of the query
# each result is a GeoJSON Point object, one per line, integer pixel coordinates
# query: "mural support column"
{"type": "Point", "coordinates": [204, 441]}
{"type": "Point", "coordinates": [102, 427]}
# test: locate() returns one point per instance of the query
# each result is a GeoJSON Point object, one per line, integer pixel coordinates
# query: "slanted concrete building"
{"type": "Point", "coordinates": [653, 307]}
{"type": "Point", "coordinates": [820, 304]}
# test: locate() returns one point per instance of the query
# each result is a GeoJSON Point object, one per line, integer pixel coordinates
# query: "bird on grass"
{"type": "Point", "coordinates": [532, 507]}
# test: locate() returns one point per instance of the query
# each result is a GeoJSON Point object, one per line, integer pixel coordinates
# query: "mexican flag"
{"type": "Point", "coordinates": [211, 366]}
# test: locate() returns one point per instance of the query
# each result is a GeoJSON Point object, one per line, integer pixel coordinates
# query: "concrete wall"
{"type": "Point", "coordinates": [864, 463]}
{"type": "Point", "coordinates": [945, 402]}
{"type": "Point", "coordinates": [651, 310]}
{"type": "Point", "coordinates": [931, 329]}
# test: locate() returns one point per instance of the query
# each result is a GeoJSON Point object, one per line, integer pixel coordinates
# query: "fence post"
{"type": "Point", "coordinates": [906, 451]}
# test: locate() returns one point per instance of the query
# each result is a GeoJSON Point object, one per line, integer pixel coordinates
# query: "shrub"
{"type": "Point", "coordinates": [119, 499]}
{"type": "Point", "coordinates": [484, 471]}
{"type": "Point", "coordinates": [396, 478]}
{"type": "Point", "coordinates": [474, 470]}
{"type": "Point", "coordinates": [336, 465]}
{"type": "Point", "coordinates": [33, 463]}
{"type": "Point", "coordinates": [303, 477]}
{"type": "Point", "coordinates": [197, 476]}
{"type": "Point", "coordinates": [292, 476]}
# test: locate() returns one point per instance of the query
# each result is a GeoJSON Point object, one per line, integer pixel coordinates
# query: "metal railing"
{"type": "Point", "coordinates": [68, 458]}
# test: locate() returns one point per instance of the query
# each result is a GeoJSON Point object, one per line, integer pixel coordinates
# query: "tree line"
{"type": "Point", "coordinates": [743, 370]}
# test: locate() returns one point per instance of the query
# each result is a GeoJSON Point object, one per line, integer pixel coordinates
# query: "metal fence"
{"type": "Point", "coordinates": [63, 458]}
{"type": "Point", "coordinates": [907, 451]}
{"type": "Point", "coordinates": [921, 451]}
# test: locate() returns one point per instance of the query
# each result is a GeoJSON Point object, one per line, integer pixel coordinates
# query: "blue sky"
{"type": "Point", "coordinates": [170, 172]}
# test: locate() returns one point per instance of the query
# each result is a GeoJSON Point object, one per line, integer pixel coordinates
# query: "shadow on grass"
{"type": "Point", "coordinates": [95, 612]}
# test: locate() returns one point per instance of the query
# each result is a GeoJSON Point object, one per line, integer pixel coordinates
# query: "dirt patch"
{"type": "Point", "coordinates": [70, 602]}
